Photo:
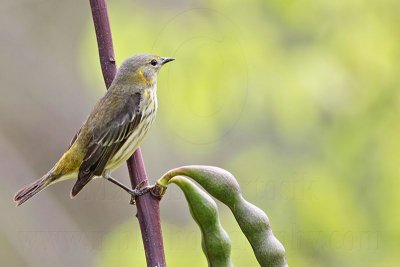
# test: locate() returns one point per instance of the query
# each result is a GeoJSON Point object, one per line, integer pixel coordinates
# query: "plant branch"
{"type": "Point", "coordinates": [147, 205]}
{"type": "Point", "coordinates": [104, 40]}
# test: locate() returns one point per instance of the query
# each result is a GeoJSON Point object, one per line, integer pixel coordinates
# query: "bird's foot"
{"type": "Point", "coordinates": [156, 190]}
{"type": "Point", "coordinates": [139, 191]}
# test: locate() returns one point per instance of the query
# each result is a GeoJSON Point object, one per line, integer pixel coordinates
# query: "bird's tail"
{"type": "Point", "coordinates": [30, 190]}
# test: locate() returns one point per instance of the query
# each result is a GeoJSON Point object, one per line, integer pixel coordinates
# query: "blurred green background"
{"type": "Point", "coordinates": [298, 99]}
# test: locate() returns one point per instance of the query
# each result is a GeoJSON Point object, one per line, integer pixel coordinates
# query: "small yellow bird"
{"type": "Point", "coordinates": [113, 130]}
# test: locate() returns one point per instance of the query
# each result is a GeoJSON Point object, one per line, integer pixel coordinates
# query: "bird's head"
{"type": "Point", "coordinates": [141, 69]}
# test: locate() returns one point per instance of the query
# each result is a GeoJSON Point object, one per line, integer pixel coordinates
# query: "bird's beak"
{"type": "Point", "coordinates": [166, 60]}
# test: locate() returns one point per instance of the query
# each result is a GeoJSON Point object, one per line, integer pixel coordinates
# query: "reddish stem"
{"type": "Point", "coordinates": [148, 214]}
{"type": "Point", "coordinates": [147, 205]}
{"type": "Point", "coordinates": [104, 40]}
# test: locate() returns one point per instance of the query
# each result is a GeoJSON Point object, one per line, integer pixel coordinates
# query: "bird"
{"type": "Point", "coordinates": [112, 132]}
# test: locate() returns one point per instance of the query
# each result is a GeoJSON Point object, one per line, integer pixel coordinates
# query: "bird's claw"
{"type": "Point", "coordinates": [139, 191]}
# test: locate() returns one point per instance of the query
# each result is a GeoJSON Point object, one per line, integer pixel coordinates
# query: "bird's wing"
{"type": "Point", "coordinates": [106, 141]}
{"type": "Point", "coordinates": [74, 138]}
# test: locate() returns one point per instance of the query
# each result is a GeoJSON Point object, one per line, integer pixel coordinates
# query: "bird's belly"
{"type": "Point", "coordinates": [129, 147]}
{"type": "Point", "coordinates": [125, 151]}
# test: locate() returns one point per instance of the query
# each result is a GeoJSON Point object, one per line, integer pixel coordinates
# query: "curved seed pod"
{"type": "Point", "coordinates": [253, 222]}
{"type": "Point", "coordinates": [215, 241]}
{"type": "Point", "coordinates": [216, 181]}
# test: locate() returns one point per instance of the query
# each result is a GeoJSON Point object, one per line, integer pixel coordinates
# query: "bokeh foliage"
{"type": "Point", "coordinates": [298, 99]}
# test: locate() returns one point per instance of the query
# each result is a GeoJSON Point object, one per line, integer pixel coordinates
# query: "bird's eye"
{"type": "Point", "coordinates": [153, 62]}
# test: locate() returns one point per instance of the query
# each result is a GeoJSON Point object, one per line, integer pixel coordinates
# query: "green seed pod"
{"type": "Point", "coordinates": [216, 181]}
{"type": "Point", "coordinates": [215, 241]}
{"type": "Point", "coordinates": [253, 222]}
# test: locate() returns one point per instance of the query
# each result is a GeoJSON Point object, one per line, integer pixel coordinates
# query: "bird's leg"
{"type": "Point", "coordinates": [138, 191]}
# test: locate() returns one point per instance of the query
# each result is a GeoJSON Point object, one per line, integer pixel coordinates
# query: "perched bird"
{"type": "Point", "coordinates": [112, 131]}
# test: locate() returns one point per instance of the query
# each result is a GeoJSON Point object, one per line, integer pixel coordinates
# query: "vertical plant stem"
{"type": "Point", "coordinates": [147, 205]}
{"type": "Point", "coordinates": [148, 214]}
